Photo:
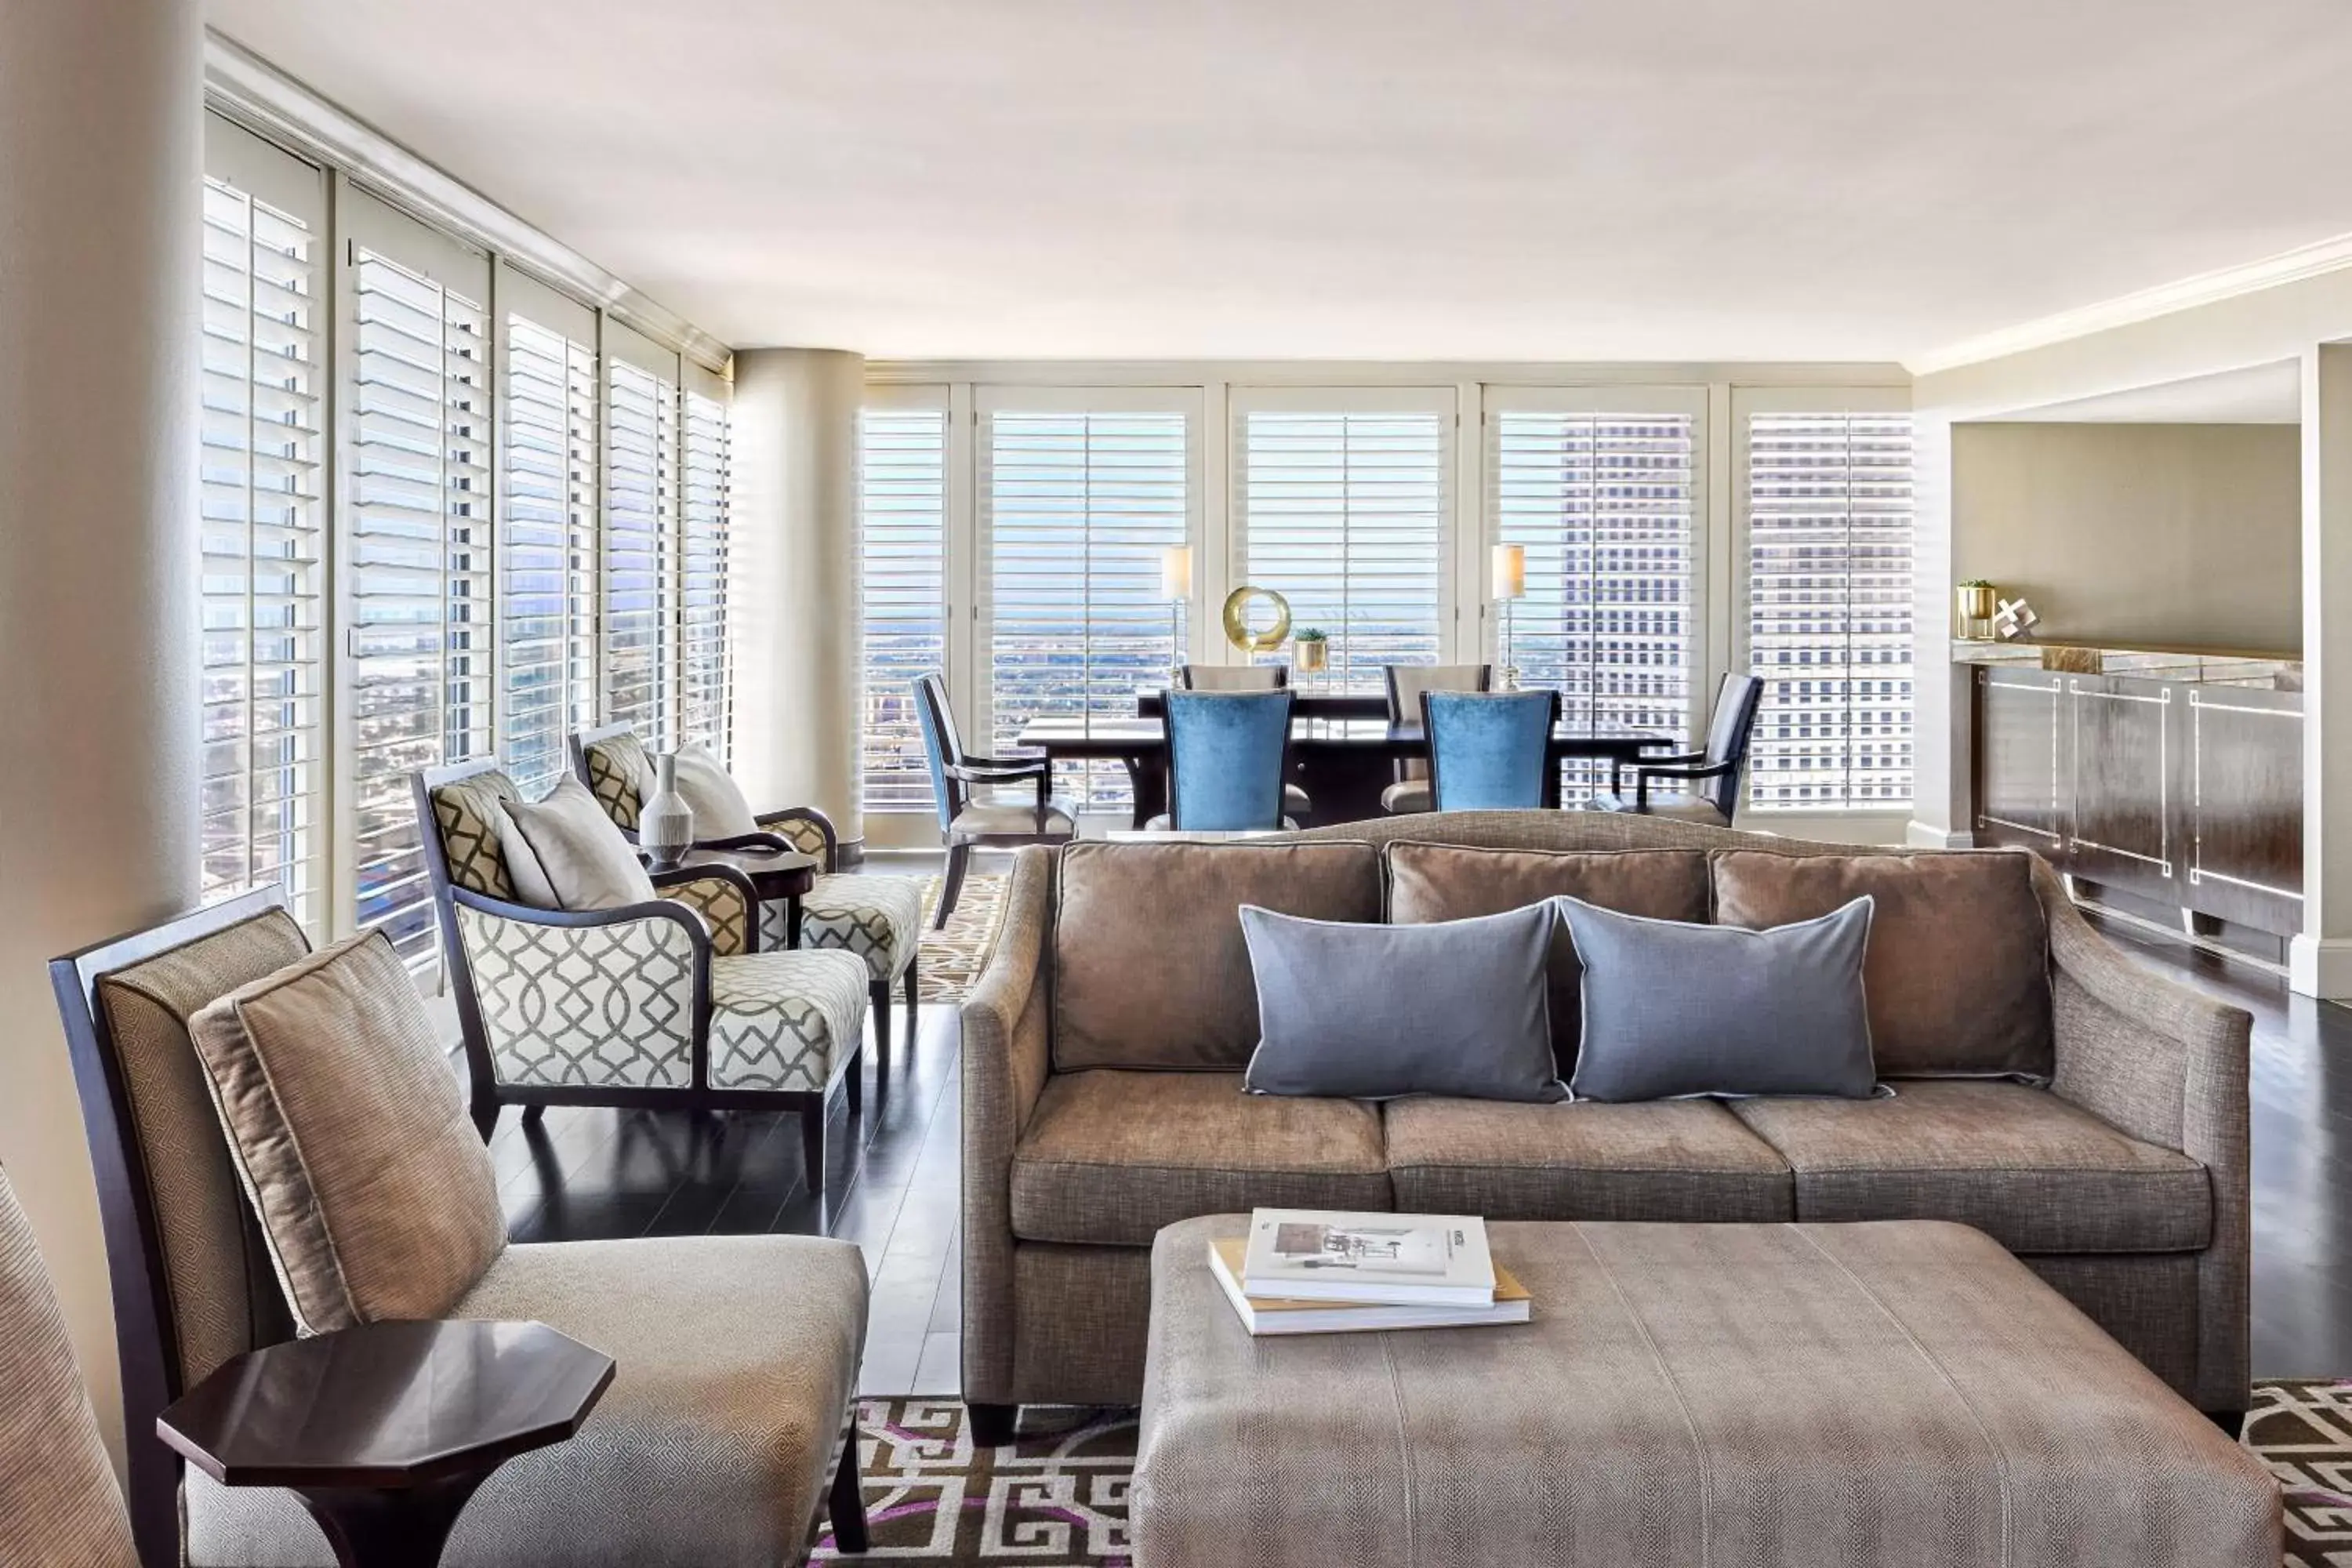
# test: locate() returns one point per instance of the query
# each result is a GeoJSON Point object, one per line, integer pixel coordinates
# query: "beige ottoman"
{"type": "Point", "coordinates": [1763, 1396]}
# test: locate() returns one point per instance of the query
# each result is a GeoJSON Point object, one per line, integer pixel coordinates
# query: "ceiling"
{"type": "Point", "coordinates": [2258, 394]}
{"type": "Point", "coordinates": [1365, 179]}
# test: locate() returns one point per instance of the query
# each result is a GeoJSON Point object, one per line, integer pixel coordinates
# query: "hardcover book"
{"type": "Point", "coordinates": [1266, 1316]}
{"type": "Point", "coordinates": [1380, 1259]}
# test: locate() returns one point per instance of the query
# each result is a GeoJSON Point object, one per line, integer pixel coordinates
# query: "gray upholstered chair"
{"type": "Point", "coordinates": [737, 1356]}
{"type": "Point", "coordinates": [1233, 677]}
{"type": "Point", "coordinates": [968, 824]}
{"type": "Point", "coordinates": [60, 1506]}
{"type": "Point", "coordinates": [1406, 682]}
{"type": "Point", "coordinates": [665, 1003]}
{"type": "Point", "coordinates": [1711, 776]}
{"type": "Point", "coordinates": [879, 918]}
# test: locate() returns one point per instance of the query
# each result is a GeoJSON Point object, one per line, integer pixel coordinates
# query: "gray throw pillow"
{"type": "Point", "coordinates": [1674, 1010]}
{"type": "Point", "coordinates": [1376, 1012]}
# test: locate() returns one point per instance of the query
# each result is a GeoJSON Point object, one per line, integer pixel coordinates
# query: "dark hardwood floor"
{"type": "Point", "coordinates": [894, 1180]}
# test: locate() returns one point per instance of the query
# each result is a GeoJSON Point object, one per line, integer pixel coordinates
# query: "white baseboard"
{"type": "Point", "coordinates": [1921, 834]}
{"type": "Point", "coordinates": [2320, 966]}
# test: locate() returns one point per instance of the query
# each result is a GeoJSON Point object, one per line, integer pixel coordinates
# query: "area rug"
{"type": "Point", "coordinates": [952, 959]}
{"type": "Point", "coordinates": [1058, 1499]}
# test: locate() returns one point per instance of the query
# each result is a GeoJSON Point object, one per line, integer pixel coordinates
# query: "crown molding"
{"type": "Point", "coordinates": [2312, 260]}
{"type": "Point", "coordinates": [248, 90]}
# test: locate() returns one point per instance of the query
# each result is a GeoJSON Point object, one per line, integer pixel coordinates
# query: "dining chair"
{"type": "Point", "coordinates": [1712, 774]}
{"type": "Point", "coordinates": [1226, 754]}
{"type": "Point", "coordinates": [1406, 682]}
{"type": "Point", "coordinates": [968, 824]}
{"type": "Point", "coordinates": [1490, 750]}
{"type": "Point", "coordinates": [1233, 678]}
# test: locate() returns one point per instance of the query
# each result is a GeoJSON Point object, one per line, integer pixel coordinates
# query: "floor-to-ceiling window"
{"type": "Point", "coordinates": [902, 508]}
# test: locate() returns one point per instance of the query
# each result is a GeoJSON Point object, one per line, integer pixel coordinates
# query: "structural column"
{"type": "Point", "coordinates": [2320, 959]}
{"type": "Point", "coordinates": [794, 579]}
{"type": "Point", "coordinates": [100, 193]}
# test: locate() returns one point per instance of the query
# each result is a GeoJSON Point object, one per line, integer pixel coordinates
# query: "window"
{"type": "Point", "coordinates": [1077, 506]}
{"type": "Point", "coordinates": [640, 544]}
{"type": "Point", "coordinates": [1829, 607]}
{"type": "Point", "coordinates": [547, 549]}
{"type": "Point", "coordinates": [264, 546]}
{"type": "Point", "coordinates": [902, 594]}
{"type": "Point", "coordinates": [706, 665]}
{"type": "Point", "coordinates": [421, 624]}
{"type": "Point", "coordinates": [1605, 505]}
{"type": "Point", "coordinates": [1342, 508]}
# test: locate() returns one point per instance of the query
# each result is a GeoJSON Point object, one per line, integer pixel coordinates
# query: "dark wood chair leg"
{"type": "Point", "coordinates": [532, 1115]}
{"type": "Point", "coordinates": [853, 1083]}
{"type": "Point", "coordinates": [485, 1112]}
{"type": "Point", "coordinates": [992, 1424]}
{"type": "Point", "coordinates": [878, 1002]}
{"type": "Point", "coordinates": [848, 1506]}
{"type": "Point", "coordinates": [812, 1144]}
{"type": "Point", "coordinates": [959, 862]}
{"type": "Point", "coordinates": [2232, 1422]}
{"type": "Point", "coordinates": [914, 1001]}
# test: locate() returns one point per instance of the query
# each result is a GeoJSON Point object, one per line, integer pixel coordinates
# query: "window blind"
{"type": "Point", "coordinates": [421, 619]}
{"type": "Point", "coordinates": [1078, 507]}
{"type": "Point", "coordinates": [547, 550]}
{"type": "Point", "coordinates": [1603, 505]}
{"type": "Point", "coordinates": [640, 522]}
{"type": "Point", "coordinates": [901, 595]}
{"type": "Point", "coordinates": [706, 669]}
{"type": "Point", "coordinates": [262, 586]}
{"type": "Point", "coordinates": [1830, 608]}
{"type": "Point", "coordinates": [1344, 514]}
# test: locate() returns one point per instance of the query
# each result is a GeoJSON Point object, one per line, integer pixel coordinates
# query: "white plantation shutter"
{"type": "Point", "coordinates": [547, 550]}
{"type": "Point", "coordinates": [640, 559]}
{"type": "Point", "coordinates": [264, 547]}
{"type": "Point", "coordinates": [902, 594]}
{"type": "Point", "coordinates": [1829, 607]}
{"type": "Point", "coordinates": [706, 666]}
{"type": "Point", "coordinates": [1075, 509]}
{"type": "Point", "coordinates": [419, 579]}
{"type": "Point", "coordinates": [1605, 505]}
{"type": "Point", "coordinates": [1342, 509]}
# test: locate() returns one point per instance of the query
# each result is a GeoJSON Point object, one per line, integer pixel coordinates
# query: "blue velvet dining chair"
{"type": "Point", "coordinates": [1490, 750]}
{"type": "Point", "coordinates": [1226, 757]}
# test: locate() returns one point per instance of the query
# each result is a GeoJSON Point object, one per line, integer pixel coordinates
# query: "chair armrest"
{"type": "Point", "coordinates": [994, 773]}
{"type": "Point", "coordinates": [581, 919]}
{"type": "Point", "coordinates": [1005, 1062]}
{"type": "Point", "coordinates": [1644, 772]}
{"type": "Point", "coordinates": [725, 898]}
{"type": "Point", "coordinates": [831, 853]}
{"type": "Point", "coordinates": [970, 760]}
{"type": "Point", "coordinates": [771, 841]}
{"type": "Point", "coordinates": [1617, 766]}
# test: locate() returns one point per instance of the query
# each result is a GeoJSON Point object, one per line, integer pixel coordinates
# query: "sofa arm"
{"type": "Point", "coordinates": [1005, 1064]}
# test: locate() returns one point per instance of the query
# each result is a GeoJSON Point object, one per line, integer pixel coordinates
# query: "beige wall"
{"type": "Point", "coordinates": [2185, 534]}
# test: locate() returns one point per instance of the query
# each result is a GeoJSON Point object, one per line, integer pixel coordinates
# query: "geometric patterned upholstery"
{"type": "Point", "coordinates": [721, 903]}
{"type": "Point", "coordinates": [804, 834]}
{"type": "Point", "coordinates": [617, 766]}
{"type": "Point", "coordinates": [467, 811]}
{"type": "Point", "coordinates": [784, 1020]}
{"type": "Point", "coordinates": [588, 1005]}
{"type": "Point", "coordinates": [879, 918]}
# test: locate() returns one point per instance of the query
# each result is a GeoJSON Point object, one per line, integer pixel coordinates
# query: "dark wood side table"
{"type": "Point", "coordinates": [384, 1431]}
{"type": "Point", "coordinates": [785, 874]}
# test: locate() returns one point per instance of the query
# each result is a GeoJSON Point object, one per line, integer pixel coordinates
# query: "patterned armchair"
{"type": "Point", "coordinates": [878, 919]}
{"type": "Point", "coordinates": [668, 1002]}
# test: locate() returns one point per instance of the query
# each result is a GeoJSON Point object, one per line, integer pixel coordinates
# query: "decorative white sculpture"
{"type": "Point", "coordinates": [2015, 619]}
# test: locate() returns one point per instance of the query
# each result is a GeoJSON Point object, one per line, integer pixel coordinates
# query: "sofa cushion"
{"type": "Point", "coordinates": [2021, 1164]}
{"type": "Point", "coordinates": [1959, 965]}
{"type": "Point", "coordinates": [1150, 967]}
{"type": "Point", "coordinates": [1110, 1157]}
{"type": "Point", "coordinates": [1446, 882]}
{"type": "Point", "coordinates": [1675, 1160]}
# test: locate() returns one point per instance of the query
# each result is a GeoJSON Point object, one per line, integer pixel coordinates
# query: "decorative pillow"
{"type": "Point", "coordinates": [564, 853]}
{"type": "Point", "coordinates": [718, 806]}
{"type": "Point", "coordinates": [1958, 971]}
{"type": "Point", "coordinates": [1376, 1012]}
{"type": "Point", "coordinates": [1674, 1010]}
{"type": "Point", "coordinates": [373, 1189]}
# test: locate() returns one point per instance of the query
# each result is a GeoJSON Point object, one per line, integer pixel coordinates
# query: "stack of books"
{"type": "Point", "coordinates": [1313, 1271]}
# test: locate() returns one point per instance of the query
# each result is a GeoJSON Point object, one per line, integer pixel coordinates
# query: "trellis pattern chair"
{"type": "Point", "coordinates": [668, 1002]}
{"type": "Point", "coordinates": [967, 824]}
{"type": "Point", "coordinates": [878, 919]}
{"type": "Point", "coordinates": [1710, 778]}
{"type": "Point", "coordinates": [1405, 683]}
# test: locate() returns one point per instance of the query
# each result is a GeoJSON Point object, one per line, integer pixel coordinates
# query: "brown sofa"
{"type": "Point", "coordinates": [2086, 1114]}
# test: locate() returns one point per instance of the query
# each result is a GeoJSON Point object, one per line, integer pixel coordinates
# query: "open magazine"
{"type": "Point", "coordinates": [1383, 1259]}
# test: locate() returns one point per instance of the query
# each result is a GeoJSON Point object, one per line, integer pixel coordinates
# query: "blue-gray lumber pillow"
{"type": "Point", "coordinates": [1377, 1011]}
{"type": "Point", "coordinates": [1675, 1010]}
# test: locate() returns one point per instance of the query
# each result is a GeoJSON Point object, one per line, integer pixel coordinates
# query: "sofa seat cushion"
{"type": "Point", "coordinates": [2021, 1164]}
{"type": "Point", "coordinates": [1669, 1160]}
{"type": "Point", "coordinates": [1109, 1157]}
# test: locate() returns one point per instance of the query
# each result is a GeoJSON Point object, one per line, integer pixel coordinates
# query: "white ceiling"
{"type": "Point", "coordinates": [2258, 394]}
{"type": "Point", "coordinates": [1365, 179]}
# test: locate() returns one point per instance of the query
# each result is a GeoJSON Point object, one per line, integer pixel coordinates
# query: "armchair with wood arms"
{"type": "Point", "coordinates": [1709, 779]}
{"type": "Point", "coordinates": [966, 822]}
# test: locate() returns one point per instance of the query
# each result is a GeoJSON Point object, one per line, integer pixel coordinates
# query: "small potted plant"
{"type": "Point", "coordinates": [1310, 650]}
{"type": "Point", "coordinates": [1975, 603]}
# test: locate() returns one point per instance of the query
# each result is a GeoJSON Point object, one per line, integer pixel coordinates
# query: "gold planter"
{"type": "Point", "coordinates": [1312, 657]}
{"type": "Point", "coordinates": [1973, 608]}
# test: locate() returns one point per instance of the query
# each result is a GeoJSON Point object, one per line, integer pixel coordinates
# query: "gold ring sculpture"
{"type": "Point", "coordinates": [1237, 626]}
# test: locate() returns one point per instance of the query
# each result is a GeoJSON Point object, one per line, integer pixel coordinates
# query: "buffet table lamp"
{"type": "Point", "coordinates": [1510, 575]}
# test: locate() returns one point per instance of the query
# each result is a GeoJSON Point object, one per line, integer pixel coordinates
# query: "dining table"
{"type": "Point", "coordinates": [1343, 760]}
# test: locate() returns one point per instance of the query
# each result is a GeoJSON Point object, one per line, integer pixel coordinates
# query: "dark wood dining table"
{"type": "Point", "coordinates": [1343, 757]}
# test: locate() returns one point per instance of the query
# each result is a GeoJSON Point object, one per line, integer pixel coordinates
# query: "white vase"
{"type": "Point", "coordinates": [664, 823]}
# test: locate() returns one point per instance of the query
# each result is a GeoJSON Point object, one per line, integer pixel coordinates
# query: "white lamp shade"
{"type": "Point", "coordinates": [1176, 572]}
{"type": "Point", "coordinates": [1510, 572]}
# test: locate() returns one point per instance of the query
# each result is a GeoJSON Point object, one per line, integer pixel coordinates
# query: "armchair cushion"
{"type": "Point", "coordinates": [1681, 807]}
{"type": "Point", "coordinates": [618, 770]}
{"type": "Point", "coordinates": [373, 1189]}
{"type": "Point", "coordinates": [785, 1020]}
{"type": "Point", "coordinates": [718, 806]}
{"type": "Point", "coordinates": [565, 853]}
{"type": "Point", "coordinates": [877, 919]}
{"type": "Point", "coordinates": [1013, 817]}
{"type": "Point", "coordinates": [600, 1005]}
{"type": "Point", "coordinates": [470, 815]}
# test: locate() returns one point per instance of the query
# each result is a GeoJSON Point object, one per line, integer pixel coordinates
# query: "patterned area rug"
{"type": "Point", "coordinates": [1058, 1499]}
{"type": "Point", "coordinates": [952, 959]}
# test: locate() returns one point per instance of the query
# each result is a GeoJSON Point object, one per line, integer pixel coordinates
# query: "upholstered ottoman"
{"type": "Point", "coordinates": [1770, 1395]}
